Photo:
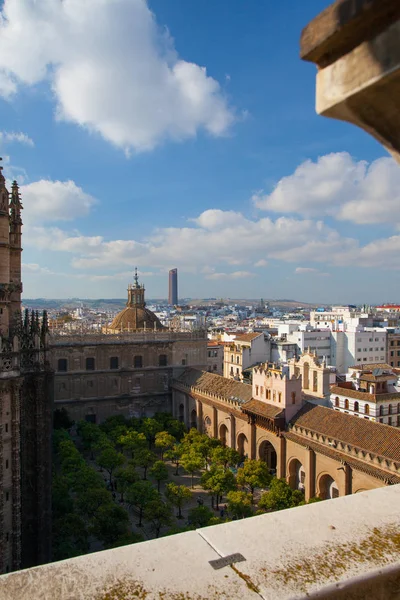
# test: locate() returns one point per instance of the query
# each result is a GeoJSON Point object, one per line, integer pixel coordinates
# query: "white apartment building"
{"type": "Point", "coordinates": [317, 340]}
{"type": "Point", "coordinates": [349, 348]}
{"type": "Point", "coordinates": [244, 351]}
{"type": "Point", "coordinates": [370, 392]}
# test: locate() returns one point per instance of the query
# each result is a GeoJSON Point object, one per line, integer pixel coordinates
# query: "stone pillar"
{"type": "Point", "coordinates": [348, 481]}
{"type": "Point", "coordinates": [253, 441]}
{"type": "Point", "coordinates": [199, 410]}
{"type": "Point", "coordinates": [310, 474]}
{"type": "Point", "coordinates": [215, 422]}
{"type": "Point", "coordinates": [233, 432]}
{"type": "Point", "coordinates": [186, 412]}
{"type": "Point", "coordinates": [281, 462]}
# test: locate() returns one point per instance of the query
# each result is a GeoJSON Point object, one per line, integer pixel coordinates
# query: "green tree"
{"type": "Point", "coordinates": [61, 419]}
{"type": "Point", "coordinates": [109, 523]}
{"type": "Point", "coordinates": [150, 428]}
{"type": "Point", "coordinates": [112, 422]}
{"type": "Point", "coordinates": [139, 494]}
{"type": "Point", "coordinates": [83, 478]}
{"type": "Point", "coordinates": [164, 441]}
{"type": "Point", "coordinates": [178, 495]}
{"type": "Point", "coordinates": [70, 537]}
{"type": "Point", "coordinates": [218, 482]}
{"type": "Point", "coordinates": [174, 455]}
{"type": "Point", "coordinates": [192, 462]}
{"type": "Point", "coordinates": [200, 516]}
{"type": "Point", "coordinates": [91, 499]}
{"type": "Point", "coordinates": [222, 455]}
{"type": "Point", "coordinates": [132, 441]}
{"type": "Point", "coordinates": [279, 496]}
{"type": "Point", "coordinates": [160, 472]}
{"type": "Point", "coordinates": [144, 458]}
{"type": "Point", "coordinates": [254, 474]}
{"type": "Point", "coordinates": [240, 504]}
{"type": "Point", "coordinates": [127, 539]}
{"type": "Point", "coordinates": [109, 459]}
{"type": "Point", "coordinates": [62, 502]}
{"type": "Point", "coordinates": [90, 435]}
{"type": "Point", "coordinates": [158, 513]}
{"type": "Point", "coordinates": [124, 477]}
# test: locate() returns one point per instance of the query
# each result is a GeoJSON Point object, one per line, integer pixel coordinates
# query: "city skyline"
{"type": "Point", "coordinates": [241, 186]}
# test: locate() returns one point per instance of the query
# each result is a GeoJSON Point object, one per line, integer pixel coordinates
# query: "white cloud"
{"type": "Point", "coordinates": [234, 275]}
{"type": "Point", "coordinates": [261, 263]}
{"type": "Point", "coordinates": [338, 186]}
{"type": "Point", "coordinates": [18, 137]}
{"type": "Point", "coordinates": [113, 70]}
{"type": "Point", "coordinates": [310, 271]}
{"type": "Point", "coordinates": [46, 201]}
{"type": "Point", "coordinates": [36, 269]}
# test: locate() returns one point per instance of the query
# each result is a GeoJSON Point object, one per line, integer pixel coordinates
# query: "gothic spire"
{"type": "Point", "coordinates": [15, 203]}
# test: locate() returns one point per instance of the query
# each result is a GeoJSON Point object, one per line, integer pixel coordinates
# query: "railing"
{"type": "Point", "coordinates": [62, 338]}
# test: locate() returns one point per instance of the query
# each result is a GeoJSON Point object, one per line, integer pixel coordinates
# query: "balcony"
{"type": "Point", "coordinates": [343, 548]}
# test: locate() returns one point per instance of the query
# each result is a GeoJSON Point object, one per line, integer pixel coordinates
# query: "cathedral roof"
{"type": "Point", "coordinates": [135, 317]}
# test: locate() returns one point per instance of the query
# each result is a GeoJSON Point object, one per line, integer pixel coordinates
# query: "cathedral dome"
{"type": "Point", "coordinates": [135, 317]}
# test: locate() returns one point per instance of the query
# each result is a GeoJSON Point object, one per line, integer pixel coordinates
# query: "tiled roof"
{"type": "Point", "coordinates": [215, 384]}
{"type": "Point", "coordinates": [370, 366]}
{"type": "Point", "coordinates": [349, 393]}
{"type": "Point", "coordinates": [262, 408]}
{"type": "Point", "coordinates": [383, 440]}
{"type": "Point", "coordinates": [342, 456]}
{"type": "Point", "coordinates": [247, 337]}
{"type": "Point", "coordinates": [370, 377]}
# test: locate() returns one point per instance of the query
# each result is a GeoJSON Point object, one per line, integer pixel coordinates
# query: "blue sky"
{"type": "Point", "coordinates": [184, 134]}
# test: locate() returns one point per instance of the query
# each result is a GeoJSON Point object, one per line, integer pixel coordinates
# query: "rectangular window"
{"type": "Point", "coordinates": [114, 362]}
{"type": "Point", "coordinates": [138, 362]}
{"type": "Point", "coordinates": [184, 362]}
{"type": "Point", "coordinates": [6, 427]}
{"type": "Point", "coordinates": [389, 420]}
{"type": "Point", "coordinates": [90, 364]}
{"type": "Point", "coordinates": [7, 496]}
{"type": "Point", "coordinates": [7, 463]}
{"type": "Point", "coordinates": [62, 365]}
{"type": "Point", "coordinates": [256, 390]}
{"type": "Point", "coordinates": [162, 360]}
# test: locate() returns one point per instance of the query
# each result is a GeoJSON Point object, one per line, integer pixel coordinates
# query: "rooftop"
{"type": "Point", "coordinates": [247, 337]}
{"type": "Point", "coordinates": [379, 439]}
{"type": "Point", "coordinates": [215, 384]}
{"type": "Point", "coordinates": [358, 395]}
{"type": "Point", "coordinates": [262, 408]}
{"type": "Point", "coordinates": [323, 550]}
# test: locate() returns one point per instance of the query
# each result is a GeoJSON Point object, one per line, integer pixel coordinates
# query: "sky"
{"type": "Point", "coordinates": [183, 134]}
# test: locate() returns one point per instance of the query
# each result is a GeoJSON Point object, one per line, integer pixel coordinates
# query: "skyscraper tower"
{"type": "Point", "coordinates": [173, 287]}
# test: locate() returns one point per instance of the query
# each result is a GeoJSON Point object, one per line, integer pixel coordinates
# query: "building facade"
{"type": "Point", "coordinates": [26, 392]}
{"type": "Point", "coordinates": [244, 351]}
{"type": "Point", "coordinates": [215, 357]}
{"type": "Point", "coordinates": [320, 451]}
{"type": "Point", "coordinates": [393, 350]}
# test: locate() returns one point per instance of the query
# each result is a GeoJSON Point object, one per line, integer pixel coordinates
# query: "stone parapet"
{"type": "Point", "coordinates": [356, 47]}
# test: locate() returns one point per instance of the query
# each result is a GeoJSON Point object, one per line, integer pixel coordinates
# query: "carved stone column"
{"type": "Point", "coordinates": [16, 473]}
{"type": "Point", "coordinates": [253, 440]}
{"type": "Point", "coordinates": [233, 432]}
{"type": "Point", "coordinates": [310, 474]}
{"type": "Point", "coordinates": [215, 422]}
{"type": "Point", "coordinates": [281, 462]}
{"type": "Point", "coordinates": [199, 410]}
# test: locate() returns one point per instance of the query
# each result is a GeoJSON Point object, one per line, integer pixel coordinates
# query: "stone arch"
{"type": "Point", "coordinates": [296, 474]}
{"type": "Point", "coordinates": [327, 487]}
{"type": "Point", "coordinates": [207, 425]}
{"type": "Point", "coordinates": [223, 434]}
{"type": "Point", "coordinates": [193, 419]}
{"type": "Point", "coordinates": [267, 453]}
{"type": "Point", "coordinates": [242, 444]}
{"type": "Point", "coordinates": [181, 413]}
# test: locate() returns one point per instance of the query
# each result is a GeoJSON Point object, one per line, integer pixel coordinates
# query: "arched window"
{"type": "Point", "coordinates": [62, 364]}
{"type": "Point", "coordinates": [389, 409]}
{"type": "Point", "coordinates": [138, 362]}
{"type": "Point", "coordinates": [237, 360]}
{"type": "Point", "coordinates": [162, 360]}
{"type": "Point", "coordinates": [366, 409]}
{"type": "Point", "coordinates": [337, 402]}
{"type": "Point", "coordinates": [315, 381]}
{"type": "Point", "coordinates": [293, 397]}
{"type": "Point", "coordinates": [231, 357]}
{"type": "Point", "coordinates": [279, 396]}
{"type": "Point", "coordinates": [398, 407]}
{"type": "Point", "coordinates": [381, 410]}
{"type": "Point", "coordinates": [356, 406]}
{"type": "Point", "coordinates": [346, 404]}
